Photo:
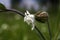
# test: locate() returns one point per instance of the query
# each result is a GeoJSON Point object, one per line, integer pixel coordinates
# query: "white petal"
{"type": "Point", "coordinates": [27, 12]}
{"type": "Point", "coordinates": [33, 26]}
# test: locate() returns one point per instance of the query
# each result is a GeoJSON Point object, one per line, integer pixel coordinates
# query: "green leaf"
{"type": "Point", "coordinates": [2, 7]}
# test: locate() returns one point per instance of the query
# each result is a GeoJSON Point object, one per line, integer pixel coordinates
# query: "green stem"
{"type": "Point", "coordinates": [49, 29]}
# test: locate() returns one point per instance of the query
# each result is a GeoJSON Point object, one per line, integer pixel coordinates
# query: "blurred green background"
{"type": "Point", "coordinates": [13, 27]}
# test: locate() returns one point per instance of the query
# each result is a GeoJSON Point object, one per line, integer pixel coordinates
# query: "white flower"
{"type": "Point", "coordinates": [29, 19]}
{"type": "Point", "coordinates": [4, 26]}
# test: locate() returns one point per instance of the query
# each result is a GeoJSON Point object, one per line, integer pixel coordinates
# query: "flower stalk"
{"type": "Point", "coordinates": [49, 29]}
{"type": "Point", "coordinates": [43, 17]}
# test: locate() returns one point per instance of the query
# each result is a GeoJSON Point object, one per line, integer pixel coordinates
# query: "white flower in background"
{"type": "Point", "coordinates": [17, 17]}
{"type": "Point", "coordinates": [29, 19]}
{"type": "Point", "coordinates": [4, 26]}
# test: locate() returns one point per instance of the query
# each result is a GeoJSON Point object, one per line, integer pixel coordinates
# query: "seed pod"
{"type": "Point", "coordinates": [41, 16]}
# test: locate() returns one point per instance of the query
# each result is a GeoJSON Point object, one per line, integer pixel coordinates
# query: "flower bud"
{"type": "Point", "coordinates": [41, 16]}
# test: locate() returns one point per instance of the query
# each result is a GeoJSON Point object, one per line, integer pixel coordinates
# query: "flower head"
{"type": "Point", "coordinates": [29, 19]}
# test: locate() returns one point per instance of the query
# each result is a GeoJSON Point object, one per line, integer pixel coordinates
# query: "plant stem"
{"type": "Point", "coordinates": [49, 29]}
{"type": "Point", "coordinates": [13, 10]}
{"type": "Point", "coordinates": [38, 31]}
{"type": "Point", "coordinates": [20, 13]}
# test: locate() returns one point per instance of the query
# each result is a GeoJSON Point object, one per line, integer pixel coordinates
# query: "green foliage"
{"type": "Point", "coordinates": [13, 27]}
{"type": "Point", "coordinates": [2, 7]}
